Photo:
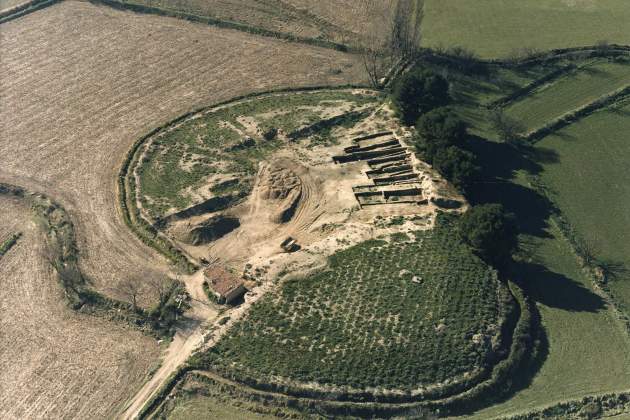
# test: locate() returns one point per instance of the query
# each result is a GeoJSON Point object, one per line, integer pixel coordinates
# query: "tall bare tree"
{"type": "Point", "coordinates": [395, 34]}
{"type": "Point", "coordinates": [405, 28]}
{"type": "Point", "coordinates": [130, 289]}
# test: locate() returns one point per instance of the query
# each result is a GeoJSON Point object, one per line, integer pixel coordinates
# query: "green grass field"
{"type": "Point", "coordinates": [570, 92]}
{"type": "Point", "coordinates": [588, 352]}
{"type": "Point", "coordinates": [587, 165]}
{"type": "Point", "coordinates": [390, 315]}
{"type": "Point", "coordinates": [590, 182]}
{"type": "Point", "coordinates": [183, 158]}
{"type": "Point", "coordinates": [495, 28]}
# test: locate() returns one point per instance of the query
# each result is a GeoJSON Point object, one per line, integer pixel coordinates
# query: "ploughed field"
{"type": "Point", "coordinates": [401, 312]}
{"type": "Point", "coordinates": [341, 21]}
{"type": "Point", "coordinates": [56, 362]}
{"type": "Point", "coordinates": [74, 97]}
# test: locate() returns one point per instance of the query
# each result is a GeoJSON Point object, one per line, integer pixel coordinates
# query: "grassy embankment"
{"type": "Point", "coordinates": [496, 28]}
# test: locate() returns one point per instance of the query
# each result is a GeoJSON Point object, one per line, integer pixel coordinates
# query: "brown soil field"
{"type": "Point", "coordinates": [351, 15]}
{"type": "Point", "coordinates": [334, 20]}
{"type": "Point", "coordinates": [79, 83]}
{"type": "Point", "coordinates": [55, 362]}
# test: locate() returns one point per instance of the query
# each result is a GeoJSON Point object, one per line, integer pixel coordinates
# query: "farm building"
{"type": "Point", "coordinates": [225, 286]}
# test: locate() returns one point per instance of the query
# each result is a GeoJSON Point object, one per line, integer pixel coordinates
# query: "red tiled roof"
{"type": "Point", "coordinates": [221, 281]}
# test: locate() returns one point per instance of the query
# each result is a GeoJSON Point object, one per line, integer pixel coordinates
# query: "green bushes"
{"type": "Point", "coordinates": [417, 92]}
{"type": "Point", "coordinates": [9, 242]}
{"type": "Point", "coordinates": [456, 165]}
{"type": "Point", "coordinates": [391, 315]}
{"type": "Point", "coordinates": [491, 232]}
{"type": "Point", "coordinates": [438, 138]}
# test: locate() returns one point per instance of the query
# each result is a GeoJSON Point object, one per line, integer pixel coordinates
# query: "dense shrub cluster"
{"type": "Point", "coordinates": [491, 232]}
{"type": "Point", "coordinates": [397, 314]}
{"type": "Point", "coordinates": [439, 138]}
{"type": "Point", "coordinates": [417, 92]}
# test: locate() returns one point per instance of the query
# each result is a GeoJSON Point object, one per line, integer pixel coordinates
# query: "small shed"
{"type": "Point", "coordinates": [225, 286]}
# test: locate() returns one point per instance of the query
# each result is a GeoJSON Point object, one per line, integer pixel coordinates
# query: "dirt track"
{"type": "Point", "coordinates": [54, 362]}
{"type": "Point", "coordinates": [80, 83]}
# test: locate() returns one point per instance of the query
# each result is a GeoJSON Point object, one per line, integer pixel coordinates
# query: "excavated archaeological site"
{"type": "Point", "coordinates": [309, 200]}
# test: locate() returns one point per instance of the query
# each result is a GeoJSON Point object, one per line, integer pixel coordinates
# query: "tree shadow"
{"type": "Point", "coordinates": [555, 290]}
{"type": "Point", "coordinates": [563, 135]}
{"type": "Point", "coordinates": [500, 163]}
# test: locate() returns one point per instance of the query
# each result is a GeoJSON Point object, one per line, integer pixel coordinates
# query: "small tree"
{"type": "Point", "coordinates": [405, 31]}
{"type": "Point", "coordinates": [417, 92]}
{"type": "Point", "coordinates": [442, 123]}
{"type": "Point", "coordinates": [491, 232]}
{"type": "Point", "coordinates": [509, 129]}
{"type": "Point", "coordinates": [130, 289]}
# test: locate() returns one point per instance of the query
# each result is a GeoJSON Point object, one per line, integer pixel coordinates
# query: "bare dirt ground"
{"type": "Point", "coordinates": [55, 362]}
{"type": "Point", "coordinates": [81, 82]}
{"type": "Point", "coordinates": [352, 15]}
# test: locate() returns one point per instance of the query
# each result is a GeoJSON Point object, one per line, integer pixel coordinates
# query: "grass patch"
{"type": "Point", "coordinates": [570, 92]}
{"type": "Point", "coordinates": [384, 314]}
{"type": "Point", "coordinates": [495, 28]}
{"type": "Point", "coordinates": [588, 352]}
{"type": "Point", "coordinates": [584, 166]}
{"type": "Point", "coordinates": [589, 183]}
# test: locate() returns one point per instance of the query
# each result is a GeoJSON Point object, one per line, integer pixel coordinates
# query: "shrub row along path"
{"type": "Point", "coordinates": [79, 83]}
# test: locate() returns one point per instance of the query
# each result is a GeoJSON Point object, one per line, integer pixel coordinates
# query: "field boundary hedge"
{"type": "Point", "coordinates": [530, 88]}
{"type": "Point", "coordinates": [220, 23]}
{"type": "Point", "coordinates": [591, 406]}
{"type": "Point", "coordinates": [577, 114]}
{"type": "Point", "coordinates": [6, 245]}
{"type": "Point", "coordinates": [64, 258]}
{"type": "Point", "coordinates": [132, 216]}
{"type": "Point", "coordinates": [24, 9]}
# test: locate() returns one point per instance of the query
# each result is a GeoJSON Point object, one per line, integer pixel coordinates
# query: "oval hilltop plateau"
{"type": "Point", "coordinates": [291, 209]}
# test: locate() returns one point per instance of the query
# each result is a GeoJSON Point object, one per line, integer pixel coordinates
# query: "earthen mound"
{"type": "Point", "coordinates": [281, 188]}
